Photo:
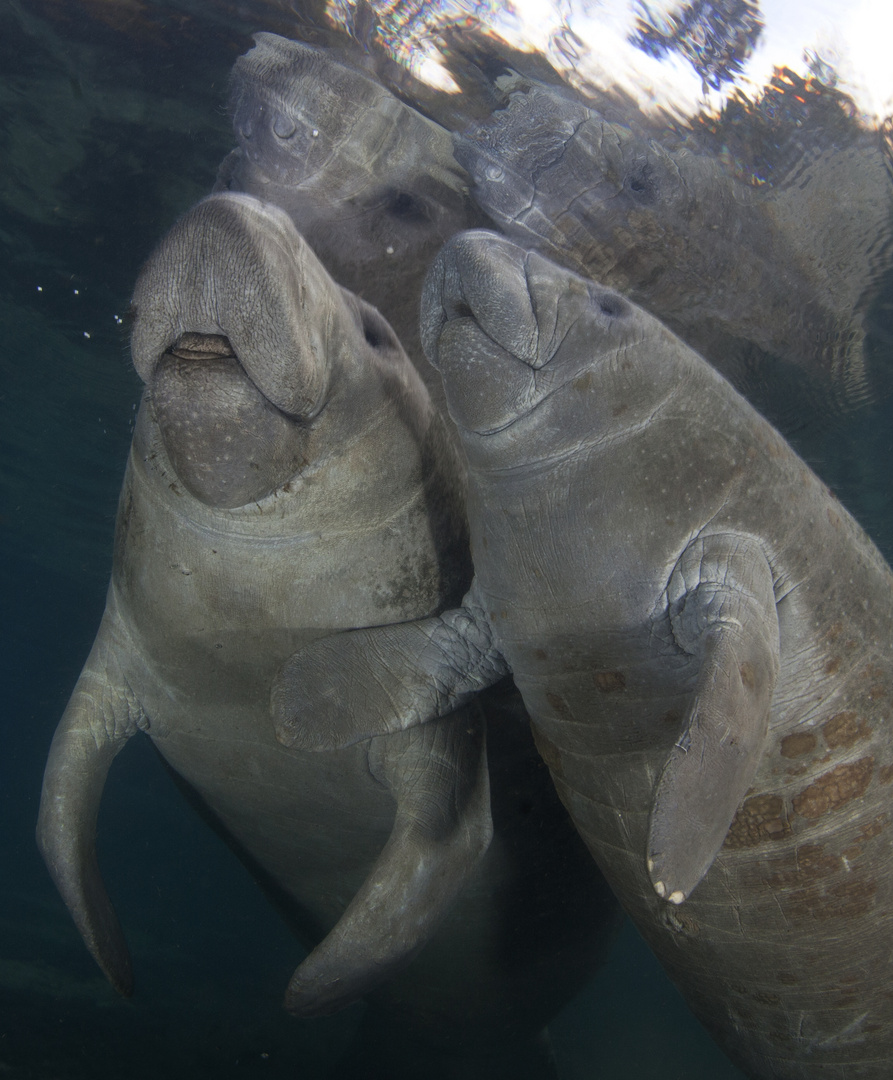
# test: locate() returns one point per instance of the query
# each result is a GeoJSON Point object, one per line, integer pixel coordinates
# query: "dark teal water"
{"type": "Point", "coordinates": [105, 137]}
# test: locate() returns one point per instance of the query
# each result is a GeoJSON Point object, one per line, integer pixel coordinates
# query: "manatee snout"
{"type": "Point", "coordinates": [494, 320]}
{"type": "Point", "coordinates": [238, 332]}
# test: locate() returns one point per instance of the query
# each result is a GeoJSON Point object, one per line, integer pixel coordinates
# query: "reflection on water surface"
{"type": "Point", "coordinates": [727, 165]}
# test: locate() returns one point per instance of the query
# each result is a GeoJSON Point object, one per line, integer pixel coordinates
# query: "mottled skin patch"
{"type": "Point", "coordinates": [761, 818]}
{"type": "Point", "coordinates": [834, 788]}
{"type": "Point", "coordinates": [844, 730]}
{"type": "Point", "coordinates": [797, 744]}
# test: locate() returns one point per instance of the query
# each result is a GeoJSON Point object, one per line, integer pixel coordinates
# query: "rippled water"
{"type": "Point", "coordinates": [114, 122]}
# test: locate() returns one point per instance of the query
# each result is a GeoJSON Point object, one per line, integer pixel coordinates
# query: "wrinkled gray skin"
{"type": "Point", "coordinates": [788, 268]}
{"type": "Point", "coordinates": [702, 636]}
{"type": "Point", "coordinates": [370, 183]}
{"type": "Point", "coordinates": [289, 477]}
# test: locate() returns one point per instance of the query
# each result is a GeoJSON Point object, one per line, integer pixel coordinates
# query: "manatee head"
{"type": "Point", "coordinates": [534, 358]}
{"type": "Point", "coordinates": [526, 153]}
{"type": "Point", "coordinates": [597, 196]}
{"type": "Point", "coordinates": [364, 177]}
{"type": "Point", "coordinates": [506, 153]}
{"type": "Point", "coordinates": [242, 338]}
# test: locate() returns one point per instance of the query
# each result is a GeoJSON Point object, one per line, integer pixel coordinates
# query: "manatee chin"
{"type": "Point", "coordinates": [227, 443]}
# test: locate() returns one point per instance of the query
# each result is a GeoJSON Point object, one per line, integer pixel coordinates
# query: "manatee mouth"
{"type": "Point", "coordinates": [228, 444]}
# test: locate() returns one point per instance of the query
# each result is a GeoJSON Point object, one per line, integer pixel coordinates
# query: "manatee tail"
{"type": "Point", "coordinates": [438, 775]}
{"type": "Point", "coordinates": [99, 719]}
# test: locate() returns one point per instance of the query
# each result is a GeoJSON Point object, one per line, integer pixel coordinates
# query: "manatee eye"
{"type": "Point", "coordinates": [643, 184]}
{"type": "Point", "coordinates": [406, 207]}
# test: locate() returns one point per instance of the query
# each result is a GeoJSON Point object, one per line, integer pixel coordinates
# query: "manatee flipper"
{"type": "Point", "coordinates": [722, 608]}
{"type": "Point", "coordinates": [99, 719]}
{"type": "Point", "coordinates": [438, 776]}
{"type": "Point", "coordinates": [352, 686]}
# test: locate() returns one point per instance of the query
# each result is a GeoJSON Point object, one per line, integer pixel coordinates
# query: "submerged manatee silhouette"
{"type": "Point", "coordinates": [788, 267]}
{"type": "Point", "coordinates": [289, 477]}
{"type": "Point", "coordinates": [701, 634]}
{"type": "Point", "coordinates": [746, 274]}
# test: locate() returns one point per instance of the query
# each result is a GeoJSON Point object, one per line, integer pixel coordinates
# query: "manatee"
{"type": "Point", "coordinates": [701, 634]}
{"type": "Point", "coordinates": [290, 477]}
{"type": "Point", "coordinates": [787, 266]}
{"type": "Point", "coordinates": [370, 183]}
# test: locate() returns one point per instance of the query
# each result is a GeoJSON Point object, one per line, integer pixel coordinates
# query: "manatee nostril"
{"type": "Point", "coordinates": [459, 310]}
{"type": "Point", "coordinates": [612, 305]}
{"type": "Point", "coordinates": [283, 126]}
{"type": "Point", "coordinates": [643, 184]}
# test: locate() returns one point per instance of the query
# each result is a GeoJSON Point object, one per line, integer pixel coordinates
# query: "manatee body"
{"type": "Point", "coordinates": [289, 477]}
{"type": "Point", "coordinates": [702, 636]}
{"type": "Point", "coordinates": [787, 267]}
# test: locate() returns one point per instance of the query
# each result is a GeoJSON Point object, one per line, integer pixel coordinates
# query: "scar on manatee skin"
{"type": "Point", "coordinates": [679, 921]}
{"type": "Point", "coordinates": [610, 682]}
{"type": "Point", "coordinates": [558, 704]}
